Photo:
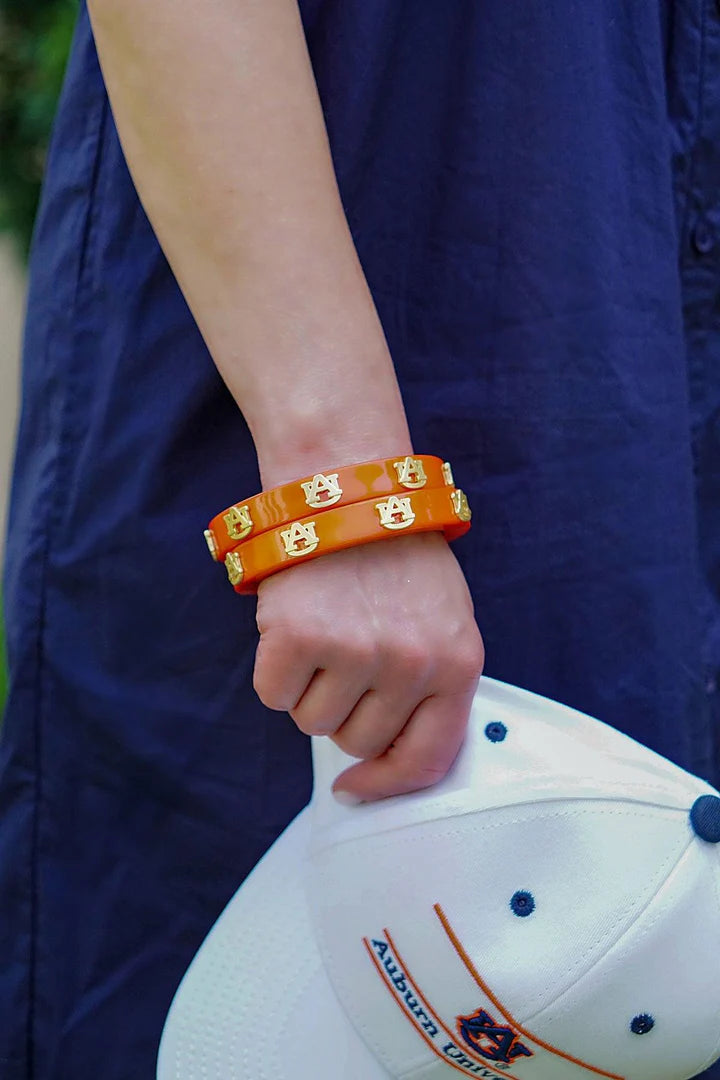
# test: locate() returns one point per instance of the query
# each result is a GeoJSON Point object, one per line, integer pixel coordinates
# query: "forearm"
{"type": "Point", "coordinates": [221, 125]}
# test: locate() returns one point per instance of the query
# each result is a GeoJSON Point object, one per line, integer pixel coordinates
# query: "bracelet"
{"type": "Point", "coordinates": [351, 484]}
{"type": "Point", "coordinates": [438, 509]}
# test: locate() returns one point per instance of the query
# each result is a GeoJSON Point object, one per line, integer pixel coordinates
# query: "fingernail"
{"type": "Point", "coordinates": [346, 798]}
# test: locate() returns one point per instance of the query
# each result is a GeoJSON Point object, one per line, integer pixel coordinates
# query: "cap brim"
{"type": "Point", "coordinates": [256, 1003]}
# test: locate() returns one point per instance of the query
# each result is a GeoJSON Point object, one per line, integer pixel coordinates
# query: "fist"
{"type": "Point", "coordinates": [376, 647]}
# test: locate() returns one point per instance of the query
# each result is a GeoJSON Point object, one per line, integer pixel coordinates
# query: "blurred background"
{"type": "Point", "coordinates": [34, 43]}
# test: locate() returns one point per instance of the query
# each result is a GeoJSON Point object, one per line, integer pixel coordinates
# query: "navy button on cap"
{"type": "Point", "coordinates": [705, 818]}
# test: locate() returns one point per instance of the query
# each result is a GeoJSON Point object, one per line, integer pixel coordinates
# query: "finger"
{"type": "Point", "coordinates": [382, 713]}
{"type": "Point", "coordinates": [374, 723]}
{"type": "Point", "coordinates": [330, 696]}
{"type": "Point", "coordinates": [283, 668]}
{"type": "Point", "coordinates": [420, 756]}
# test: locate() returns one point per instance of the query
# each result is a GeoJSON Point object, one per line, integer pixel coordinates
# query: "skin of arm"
{"type": "Point", "coordinates": [222, 128]}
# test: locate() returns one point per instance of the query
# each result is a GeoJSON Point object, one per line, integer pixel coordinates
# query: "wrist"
{"type": "Point", "coordinates": [317, 440]}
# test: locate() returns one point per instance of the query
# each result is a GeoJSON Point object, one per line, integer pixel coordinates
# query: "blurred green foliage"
{"type": "Point", "coordinates": [35, 39]}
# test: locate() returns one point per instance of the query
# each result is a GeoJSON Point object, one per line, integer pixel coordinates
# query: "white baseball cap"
{"type": "Point", "coordinates": [549, 911]}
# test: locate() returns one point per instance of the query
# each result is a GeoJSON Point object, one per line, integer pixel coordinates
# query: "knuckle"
{"type": "Point", "coordinates": [270, 694]}
{"type": "Point", "coordinates": [350, 745]}
{"type": "Point", "coordinates": [292, 637]}
{"type": "Point", "coordinates": [310, 724]}
{"type": "Point", "coordinates": [422, 777]}
{"type": "Point", "coordinates": [469, 659]}
{"type": "Point", "coordinates": [363, 643]}
{"type": "Point", "coordinates": [364, 745]}
{"type": "Point", "coordinates": [283, 639]}
{"type": "Point", "coordinates": [414, 661]}
{"type": "Point", "coordinates": [359, 651]}
{"type": "Point", "coordinates": [267, 678]}
{"type": "Point", "coordinates": [421, 769]}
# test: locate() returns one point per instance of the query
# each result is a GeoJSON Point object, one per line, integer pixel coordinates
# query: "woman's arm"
{"type": "Point", "coordinates": [219, 117]}
{"type": "Point", "coordinates": [218, 113]}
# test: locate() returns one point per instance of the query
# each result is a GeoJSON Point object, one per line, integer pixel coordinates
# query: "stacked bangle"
{"type": "Point", "coordinates": [301, 497]}
{"type": "Point", "coordinates": [331, 511]}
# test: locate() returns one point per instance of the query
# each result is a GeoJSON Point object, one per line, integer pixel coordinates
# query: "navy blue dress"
{"type": "Point", "coordinates": [534, 193]}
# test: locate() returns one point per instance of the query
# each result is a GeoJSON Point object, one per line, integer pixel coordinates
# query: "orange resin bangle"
{"type": "Point", "coordinates": [350, 484]}
{"type": "Point", "coordinates": [438, 509]}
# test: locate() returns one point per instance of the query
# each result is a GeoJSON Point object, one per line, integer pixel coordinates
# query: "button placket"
{"type": "Point", "coordinates": [703, 239]}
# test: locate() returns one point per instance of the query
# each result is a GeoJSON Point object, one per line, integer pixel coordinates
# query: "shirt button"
{"type": "Point", "coordinates": [702, 238]}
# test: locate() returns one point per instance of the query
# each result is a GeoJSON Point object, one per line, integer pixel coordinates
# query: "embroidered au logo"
{"type": "Point", "coordinates": [297, 535]}
{"type": "Point", "coordinates": [238, 522]}
{"type": "Point", "coordinates": [396, 513]}
{"type": "Point", "coordinates": [496, 1042]}
{"type": "Point", "coordinates": [322, 490]}
{"type": "Point", "coordinates": [410, 472]}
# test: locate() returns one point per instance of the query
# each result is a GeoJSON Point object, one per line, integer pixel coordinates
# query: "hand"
{"type": "Point", "coordinates": [377, 647]}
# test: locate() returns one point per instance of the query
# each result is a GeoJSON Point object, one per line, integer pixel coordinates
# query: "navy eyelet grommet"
{"type": "Point", "coordinates": [522, 903]}
{"type": "Point", "coordinates": [496, 731]}
{"type": "Point", "coordinates": [640, 1025]}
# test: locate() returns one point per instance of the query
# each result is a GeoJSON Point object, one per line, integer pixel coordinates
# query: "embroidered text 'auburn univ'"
{"type": "Point", "coordinates": [549, 911]}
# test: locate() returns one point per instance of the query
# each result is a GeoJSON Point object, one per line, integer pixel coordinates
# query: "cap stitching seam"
{"type": "Point", "coordinates": [716, 1049]}
{"type": "Point", "coordinates": [342, 987]}
{"type": "Point", "coordinates": [622, 916]}
{"type": "Point", "coordinates": [656, 891]}
{"type": "Point", "coordinates": [643, 933]}
{"type": "Point", "coordinates": [632, 809]}
{"type": "Point", "coordinates": [382, 838]}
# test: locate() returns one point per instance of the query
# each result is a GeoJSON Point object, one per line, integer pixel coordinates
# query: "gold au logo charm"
{"type": "Point", "coordinates": [234, 567]}
{"type": "Point", "coordinates": [410, 472]}
{"type": "Point", "coordinates": [211, 543]}
{"type": "Point", "coordinates": [460, 504]}
{"type": "Point", "coordinates": [322, 485]}
{"type": "Point", "coordinates": [447, 474]}
{"type": "Point", "coordinates": [297, 534]}
{"type": "Point", "coordinates": [238, 522]}
{"type": "Point", "coordinates": [396, 508]}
